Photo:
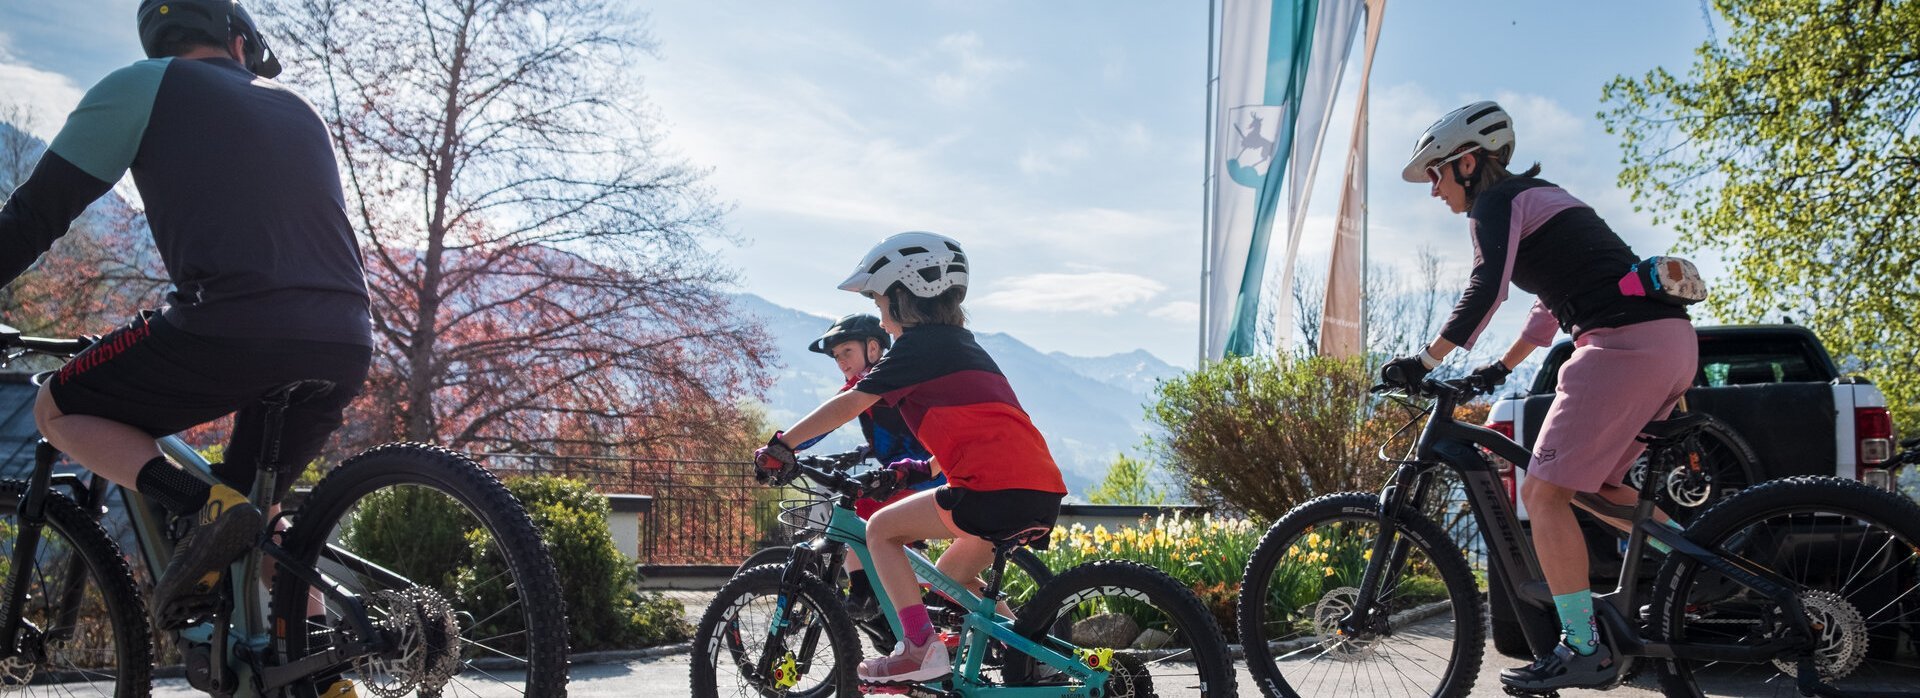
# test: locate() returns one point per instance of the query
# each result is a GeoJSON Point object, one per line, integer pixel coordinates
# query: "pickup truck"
{"type": "Point", "coordinates": [1780, 407]}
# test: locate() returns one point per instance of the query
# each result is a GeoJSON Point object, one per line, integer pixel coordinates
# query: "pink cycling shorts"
{"type": "Point", "coordinates": [1618, 380]}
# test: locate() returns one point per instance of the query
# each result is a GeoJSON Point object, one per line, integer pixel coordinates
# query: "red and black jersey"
{"type": "Point", "coordinates": [961, 408]}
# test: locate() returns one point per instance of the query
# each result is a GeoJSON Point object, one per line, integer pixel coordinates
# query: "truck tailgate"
{"type": "Point", "coordinates": [1790, 425]}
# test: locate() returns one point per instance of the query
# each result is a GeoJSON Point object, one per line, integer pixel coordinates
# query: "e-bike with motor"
{"type": "Point", "coordinates": [73, 620]}
{"type": "Point", "coordinates": [1780, 589]}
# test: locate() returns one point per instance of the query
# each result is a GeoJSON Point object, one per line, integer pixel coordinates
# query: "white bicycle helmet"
{"type": "Point", "coordinates": [927, 264]}
{"type": "Point", "coordinates": [1481, 123]}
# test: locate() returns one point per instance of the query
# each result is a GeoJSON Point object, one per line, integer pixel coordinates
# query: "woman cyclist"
{"type": "Point", "coordinates": [1633, 359]}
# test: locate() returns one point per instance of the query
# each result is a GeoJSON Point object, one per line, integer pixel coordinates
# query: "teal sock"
{"type": "Point", "coordinates": [1576, 621]}
{"type": "Point", "coordinates": [1662, 547]}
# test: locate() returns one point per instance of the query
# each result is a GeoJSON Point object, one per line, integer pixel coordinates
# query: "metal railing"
{"type": "Point", "coordinates": [704, 512]}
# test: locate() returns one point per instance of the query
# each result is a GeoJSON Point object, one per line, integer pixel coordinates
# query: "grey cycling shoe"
{"type": "Point", "coordinates": [1565, 668]}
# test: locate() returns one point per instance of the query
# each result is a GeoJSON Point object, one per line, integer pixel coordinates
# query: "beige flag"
{"type": "Point", "coordinates": [1341, 319]}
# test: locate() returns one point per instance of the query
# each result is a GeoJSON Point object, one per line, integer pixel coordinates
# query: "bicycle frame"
{"type": "Point", "coordinates": [1445, 443]}
{"type": "Point", "coordinates": [245, 636]}
{"type": "Point", "coordinates": [981, 623]}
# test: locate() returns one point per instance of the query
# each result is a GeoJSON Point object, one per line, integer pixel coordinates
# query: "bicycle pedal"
{"type": "Point", "coordinates": [1524, 693]}
{"type": "Point", "coordinates": [902, 689]}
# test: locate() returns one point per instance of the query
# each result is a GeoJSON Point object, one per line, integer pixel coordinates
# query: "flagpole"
{"type": "Point", "coordinates": [1206, 185]}
{"type": "Point", "coordinates": [1366, 203]}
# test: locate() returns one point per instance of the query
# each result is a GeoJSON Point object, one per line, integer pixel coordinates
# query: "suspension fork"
{"type": "Point", "coordinates": [26, 546]}
{"type": "Point", "coordinates": [1405, 491]}
{"type": "Point", "coordinates": [791, 583]}
{"type": "Point", "coordinates": [72, 580]}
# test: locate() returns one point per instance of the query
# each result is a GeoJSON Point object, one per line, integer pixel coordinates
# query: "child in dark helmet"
{"type": "Point", "coordinates": [1002, 481]}
{"type": "Point", "coordinates": [856, 342]}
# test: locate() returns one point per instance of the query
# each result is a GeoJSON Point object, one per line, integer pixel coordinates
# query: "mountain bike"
{"type": "Point", "coordinates": [471, 607]}
{"type": "Point", "coordinates": [1784, 588]}
{"type": "Point", "coordinates": [808, 519]}
{"type": "Point", "coordinates": [1106, 628]}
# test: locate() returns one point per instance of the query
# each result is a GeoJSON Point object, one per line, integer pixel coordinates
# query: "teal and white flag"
{"type": "Point", "coordinates": [1268, 80]}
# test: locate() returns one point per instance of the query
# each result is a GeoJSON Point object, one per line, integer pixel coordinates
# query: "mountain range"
{"type": "Point", "coordinates": [1090, 409]}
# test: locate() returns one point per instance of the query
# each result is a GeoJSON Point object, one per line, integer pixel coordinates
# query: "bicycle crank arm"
{"type": "Point", "coordinates": [276, 677]}
{"type": "Point", "coordinates": [353, 608]}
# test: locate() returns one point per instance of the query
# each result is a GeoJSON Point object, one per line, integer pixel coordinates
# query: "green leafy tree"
{"type": "Point", "coordinates": [1128, 481]}
{"type": "Point", "coordinates": [1793, 149]}
{"type": "Point", "coordinates": [1260, 434]}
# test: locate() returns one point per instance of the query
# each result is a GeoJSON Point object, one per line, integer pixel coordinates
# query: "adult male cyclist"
{"type": "Point", "coordinates": [243, 196]}
{"type": "Point", "coordinates": [856, 342]}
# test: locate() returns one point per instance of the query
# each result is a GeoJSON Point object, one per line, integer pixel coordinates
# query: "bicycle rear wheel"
{"type": "Point", "coordinates": [1304, 579]}
{"type": "Point", "coordinates": [85, 627]}
{"type": "Point", "coordinates": [1152, 633]}
{"type": "Point", "coordinates": [1849, 550]}
{"type": "Point", "coordinates": [455, 548]}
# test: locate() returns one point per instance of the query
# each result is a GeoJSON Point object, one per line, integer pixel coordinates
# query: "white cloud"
{"type": "Point", "coordinates": [973, 70]}
{"type": "Point", "coordinates": [1178, 311]}
{"type": "Point", "coordinates": [46, 97]}
{"type": "Point", "coordinates": [1105, 293]}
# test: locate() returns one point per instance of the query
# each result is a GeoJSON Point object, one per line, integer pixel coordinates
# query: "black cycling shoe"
{"type": "Point", "coordinates": [1565, 668]}
{"type": "Point", "coordinates": [224, 529]}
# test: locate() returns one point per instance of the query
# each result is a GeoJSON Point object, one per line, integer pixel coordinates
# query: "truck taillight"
{"type": "Point", "coordinates": [1506, 469]}
{"type": "Point", "coordinates": [1873, 428]}
{"type": "Point", "coordinates": [1873, 431]}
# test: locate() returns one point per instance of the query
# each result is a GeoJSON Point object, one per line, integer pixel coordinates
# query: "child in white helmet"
{"type": "Point", "coordinates": [1002, 481]}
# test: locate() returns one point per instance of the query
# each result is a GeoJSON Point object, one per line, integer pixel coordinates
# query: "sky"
{"type": "Point", "coordinates": [1061, 142]}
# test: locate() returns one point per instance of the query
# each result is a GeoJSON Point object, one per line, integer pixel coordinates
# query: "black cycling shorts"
{"type": "Point", "coordinates": [997, 514]}
{"type": "Point", "coordinates": [162, 380]}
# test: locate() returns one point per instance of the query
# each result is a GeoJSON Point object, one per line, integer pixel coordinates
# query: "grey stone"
{"type": "Point", "coordinates": [1105, 630]}
{"type": "Point", "coordinates": [1151, 639]}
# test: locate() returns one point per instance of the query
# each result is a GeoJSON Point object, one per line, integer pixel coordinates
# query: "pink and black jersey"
{"type": "Point", "coordinates": [959, 405]}
{"type": "Point", "coordinates": [1528, 231]}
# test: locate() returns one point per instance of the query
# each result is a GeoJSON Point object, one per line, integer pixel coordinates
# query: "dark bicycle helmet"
{"type": "Point", "coordinates": [215, 20]}
{"type": "Point", "coordinates": [856, 326]}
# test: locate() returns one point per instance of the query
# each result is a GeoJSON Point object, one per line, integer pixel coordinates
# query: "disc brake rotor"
{"type": "Point", "coordinates": [1840, 635]}
{"type": "Point", "coordinates": [426, 643]}
{"type": "Point", "coordinates": [1689, 489]}
{"type": "Point", "coordinates": [1333, 607]}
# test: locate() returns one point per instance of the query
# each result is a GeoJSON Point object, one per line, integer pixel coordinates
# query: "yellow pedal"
{"type": "Point", "coordinates": [340, 689]}
{"type": "Point", "coordinates": [1100, 659]}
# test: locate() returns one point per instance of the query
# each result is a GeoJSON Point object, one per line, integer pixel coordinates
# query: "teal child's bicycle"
{"type": "Point", "coordinates": [1106, 628]}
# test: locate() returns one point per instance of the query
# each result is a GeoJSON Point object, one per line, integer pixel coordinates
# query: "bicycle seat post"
{"type": "Point", "coordinates": [1000, 552]}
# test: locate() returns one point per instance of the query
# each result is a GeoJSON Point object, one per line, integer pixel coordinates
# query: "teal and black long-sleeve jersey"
{"type": "Point", "coordinates": [241, 190]}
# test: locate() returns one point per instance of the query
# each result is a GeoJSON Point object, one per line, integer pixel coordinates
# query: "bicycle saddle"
{"type": "Point", "coordinates": [1019, 537]}
{"type": "Point", "coordinates": [1676, 428]}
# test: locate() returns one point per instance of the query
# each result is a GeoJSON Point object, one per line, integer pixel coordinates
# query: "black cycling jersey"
{"type": "Point", "coordinates": [241, 190]}
{"type": "Point", "coordinates": [1533, 233]}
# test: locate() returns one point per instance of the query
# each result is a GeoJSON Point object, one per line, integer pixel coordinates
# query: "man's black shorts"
{"type": "Point", "coordinates": [157, 378]}
{"type": "Point", "coordinates": [996, 514]}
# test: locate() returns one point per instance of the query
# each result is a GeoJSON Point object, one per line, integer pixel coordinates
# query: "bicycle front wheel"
{"type": "Point", "coordinates": [1304, 581]}
{"type": "Point", "coordinates": [1149, 631]}
{"type": "Point", "coordinates": [814, 651]}
{"type": "Point", "coordinates": [446, 560]}
{"type": "Point", "coordinates": [1849, 553]}
{"type": "Point", "coordinates": [84, 629]}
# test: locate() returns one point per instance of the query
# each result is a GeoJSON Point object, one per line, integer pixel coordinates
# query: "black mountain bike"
{"type": "Point", "coordinates": [409, 569]}
{"type": "Point", "coordinates": [1805, 585]}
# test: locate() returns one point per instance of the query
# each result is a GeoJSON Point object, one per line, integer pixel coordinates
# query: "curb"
{"type": "Point", "coordinates": [178, 671]}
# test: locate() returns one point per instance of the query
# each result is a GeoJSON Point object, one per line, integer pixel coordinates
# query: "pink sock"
{"type": "Point", "coordinates": [913, 619]}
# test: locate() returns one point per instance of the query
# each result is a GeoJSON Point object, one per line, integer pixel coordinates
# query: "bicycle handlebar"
{"type": "Point", "coordinates": [1459, 389]}
{"type": "Point", "coordinates": [11, 339]}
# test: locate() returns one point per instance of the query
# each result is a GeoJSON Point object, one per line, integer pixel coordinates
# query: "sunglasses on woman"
{"type": "Point", "coordinates": [1433, 170]}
